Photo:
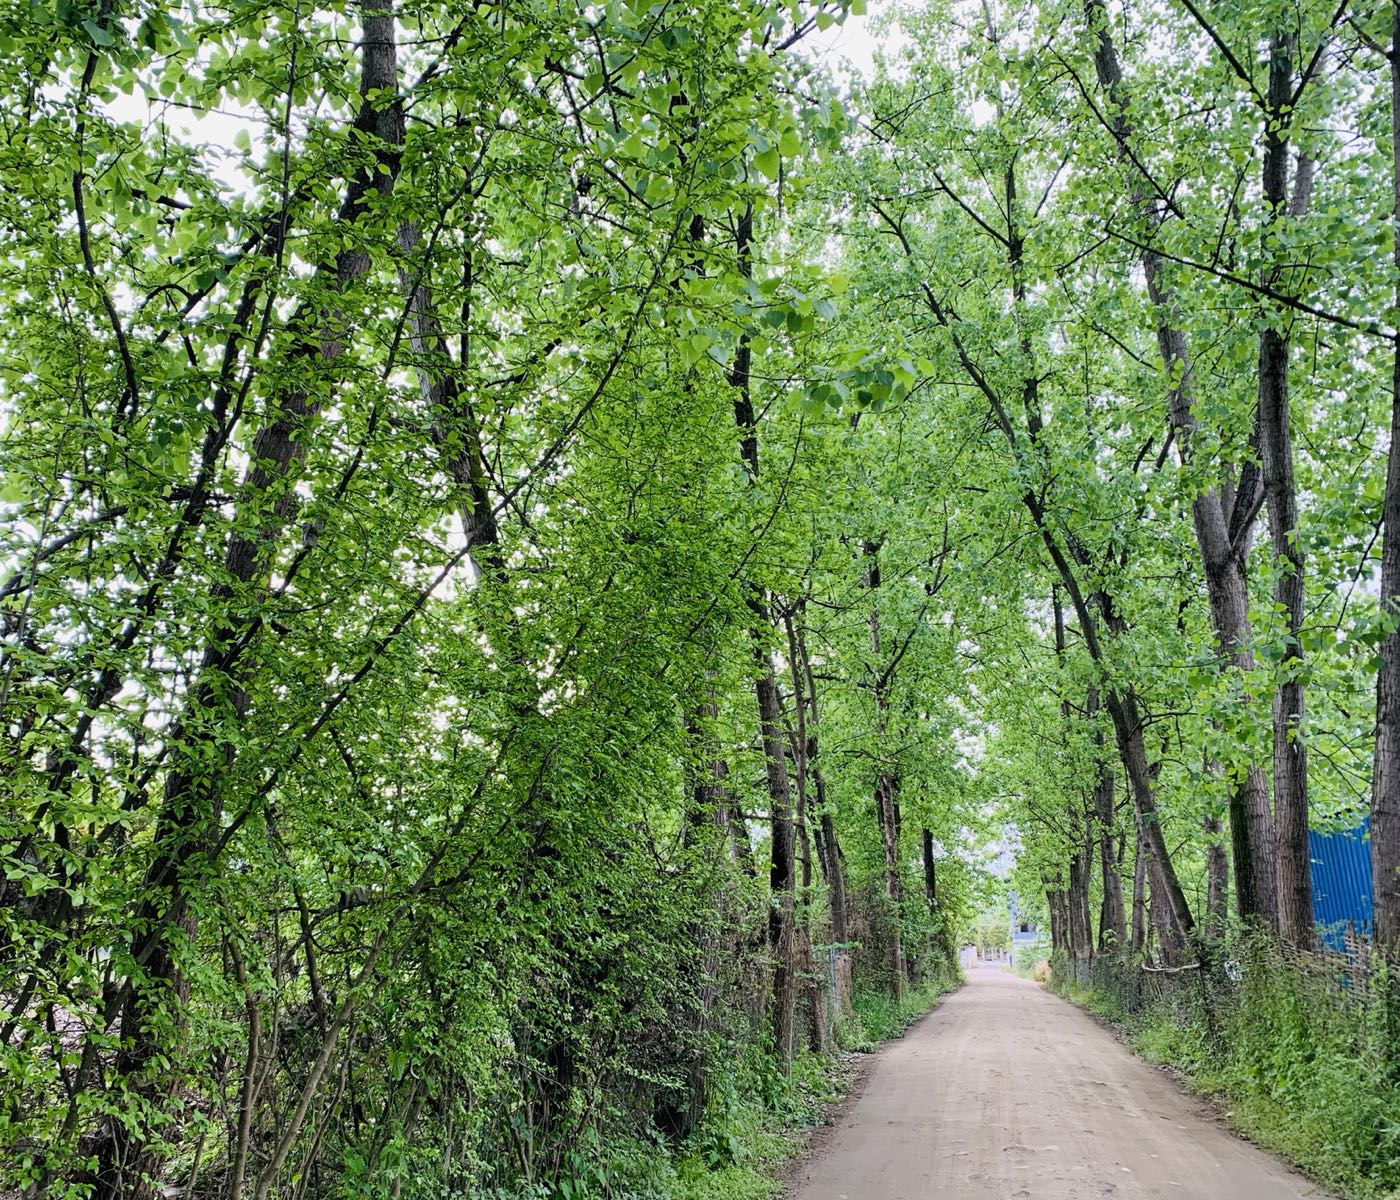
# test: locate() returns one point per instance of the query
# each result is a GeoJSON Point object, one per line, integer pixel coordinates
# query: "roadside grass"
{"type": "Point", "coordinates": [1298, 1062]}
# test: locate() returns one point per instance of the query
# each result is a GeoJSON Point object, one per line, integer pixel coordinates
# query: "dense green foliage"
{"type": "Point", "coordinates": [549, 546]}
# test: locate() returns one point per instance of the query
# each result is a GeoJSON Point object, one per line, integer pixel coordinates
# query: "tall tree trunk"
{"type": "Point", "coordinates": [1079, 931]}
{"type": "Point", "coordinates": [1385, 783]}
{"type": "Point", "coordinates": [189, 826]}
{"type": "Point", "coordinates": [1081, 938]}
{"type": "Point", "coordinates": [1276, 454]}
{"type": "Point", "coordinates": [836, 882]}
{"type": "Point", "coordinates": [1054, 903]}
{"type": "Point", "coordinates": [706, 829]}
{"type": "Point", "coordinates": [802, 742]}
{"type": "Point", "coordinates": [1166, 887]}
{"type": "Point", "coordinates": [930, 871]}
{"type": "Point", "coordinates": [1222, 515]}
{"type": "Point", "coordinates": [828, 845]}
{"type": "Point", "coordinates": [781, 925]}
{"type": "Point", "coordinates": [886, 784]}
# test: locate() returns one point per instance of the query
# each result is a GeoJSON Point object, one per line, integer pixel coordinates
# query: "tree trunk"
{"type": "Point", "coordinates": [781, 925]}
{"type": "Point", "coordinates": [836, 882]}
{"type": "Point", "coordinates": [1054, 903]}
{"type": "Point", "coordinates": [828, 846]}
{"type": "Point", "coordinates": [1385, 784]}
{"type": "Point", "coordinates": [886, 788]}
{"type": "Point", "coordinates": [1113, 921]}
{"type": "Point", "coordinates": [803, 741]}
{"type": "Point", "coordinates": [930, 871]}
{"type": "Point", "coordinates": [1217, 878]}
{"type": "Point", "coordinates": [1166, 887]}
{"type": "Point", "coordinates": [1139, 931]}
{"type": "Point", "coordinates": [1081, 870]}
{"type": "Point", "coordinates": [1121, 702]}
{"type": "Point", "coordinates": [1276, 455]}
{"type": "Point", "coordinates": [189, 826]}
{"type": "Point", "coordinates": [1223, 530]}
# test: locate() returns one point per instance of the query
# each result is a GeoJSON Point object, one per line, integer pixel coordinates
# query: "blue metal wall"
{"type": "Point", "coordinates": [1341, 881]}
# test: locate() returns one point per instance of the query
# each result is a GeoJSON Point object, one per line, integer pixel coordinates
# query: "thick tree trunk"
{"type": "Point", "coordinates": [1276, 455]}
{"type": "Point", "coordinates": [828, 846]}
{"type": "Point", "coordinates": [1385, 783]}
{"type": "Point", "coordinates": [781, 926]}
{"type": "Point", "coordinates": [1054, 903]}
{"type": "Point", "coordinates": [706, 828]}
{"type": "Point", "coordinates": [1080, 932]}
{"type": "Point", "coordinates": [836, 882]}
{"type": "Point", "coordinates": [930, 871]}
{"type": "Point", "coordinates": [1251, 822]}
{"type": "Point", "coordinates": [803, 742]}
{"type": "Point", "coordinates": [885, 802]}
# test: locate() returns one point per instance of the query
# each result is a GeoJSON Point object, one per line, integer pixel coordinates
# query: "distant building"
{"type": "Point", "coordinates": [1025, 933]}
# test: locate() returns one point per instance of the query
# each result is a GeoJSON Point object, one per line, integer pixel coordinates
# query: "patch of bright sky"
{"type": "Point", "coordinates": [849, 49]}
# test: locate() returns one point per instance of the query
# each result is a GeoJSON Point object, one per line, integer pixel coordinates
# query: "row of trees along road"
{"type": "Point", "coordinates": [543, 541]}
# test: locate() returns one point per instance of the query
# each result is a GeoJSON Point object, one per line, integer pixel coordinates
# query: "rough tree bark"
{"type": "Point", "coordinates": [802, 742]}
{"type": "Point", "coordinates": [1139, 929]}
{"type": "Point", "coordinates": [1217, 877]}
{"type": "Point", "coordinates": [1079, 925]}
{"type": "Point", "coordinates": [930, 871]}
{"type": "Point", "coordinates": [828, 845]}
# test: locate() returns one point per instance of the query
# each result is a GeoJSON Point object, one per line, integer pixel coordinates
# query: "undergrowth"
{"type": "Point", "coordinates": [1296, 1051]}
{"type": "Point", "coordinates": [877, 1016]}
{"type": "Point", "coordinates": [751, 1125]}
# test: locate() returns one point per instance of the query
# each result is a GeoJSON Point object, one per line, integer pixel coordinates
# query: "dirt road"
{"type": "Point", "coordinates": [1007, 1091]}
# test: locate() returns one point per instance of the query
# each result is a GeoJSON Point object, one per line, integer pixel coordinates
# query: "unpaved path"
{"type": "Point", "coordinates": [1008, 1091]}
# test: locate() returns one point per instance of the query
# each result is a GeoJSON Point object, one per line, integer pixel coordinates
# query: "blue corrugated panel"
{"type": "Point", "coordinates": [1341, 881]}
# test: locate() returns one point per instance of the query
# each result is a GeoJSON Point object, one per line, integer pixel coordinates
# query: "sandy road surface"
{"type": "Point", "coordinates": [1008, 1091]}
